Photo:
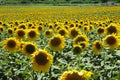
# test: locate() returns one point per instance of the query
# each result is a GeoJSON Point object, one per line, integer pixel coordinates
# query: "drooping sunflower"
{"type": "Point", "coordinates": [100, 30]}
{"type": "Point", "coordinates": [111, 41]}
{"type": "Point", "coordinates": [77, 49]}
{"type": "Point", "coordinates": [28, 48]}
{"type": "Point", "coordinates": [32, 34]}
{"type": "Point", "coordinates": [97, 46]}
{"type": "Point", "coordinates": [113, 29]}
{"type": "Point", "coordinates": [73, 32]}
{"type": "Point", "coordinates": [11, 44]}
{"type": "Point", "coordinates": [48, 33]}
{"type": "Point", "coordinates": [20, 33]}
{"type": "Point", "coordinates": [80, 38]}
{"type": "Point", "coordinates": [57, 42]}
{"type": "Point", "coordinates": [42, 60]}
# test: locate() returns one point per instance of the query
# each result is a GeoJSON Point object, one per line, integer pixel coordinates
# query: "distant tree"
{"type": "Point", "coordinates": [104, 1]}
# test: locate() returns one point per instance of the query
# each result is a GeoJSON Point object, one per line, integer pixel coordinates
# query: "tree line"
{"type": "Point", "coordinates": [56, 1]}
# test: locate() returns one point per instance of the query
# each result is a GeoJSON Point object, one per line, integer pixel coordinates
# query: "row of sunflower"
{"type": "Point", "coordinates": [72, 49]}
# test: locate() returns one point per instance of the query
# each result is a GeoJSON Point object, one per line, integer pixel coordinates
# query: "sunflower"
{"type": "Point", "coordinates": [20, 33]}
{"type": "Point", "coordinates": [86, 28]}
{"type": "Point", "coordinates": [112, 41]}
{"type": "Point", "coordinates": [22, 26]}
{"type": "Point", "coordinates": [32, 34]}
{"type": "Point", "coordinates": [80, 38]}
{"type": "Point", "coordinates": [77, 49]}
{"type": "Point", "coordinates": [48, 32]}
{"type": "Point", "coordinates": [39, 28]}
{"type": "Point", "coordinates": [76, 75]}
{"type": "Point", "coordinates": [74, 32]}
{"type": "Point", "coordinates": [113, 28]}
{"type": "Point", "coordinates": [97, 46]}
{"type": "Point", "coordinates": [10, 31]}
{"type": "Point", "coordinates": [71, 75]}
{"type": "Point", "coordinates": [42, 60]}
{"type": "Point", "coordinates": [84, 45]}
{"type": "Point", "coordinates": [100, 30]}
{"type": "Point", "coordinates": [29, 48]}
{"type": "Point", "coordinates": [57, 42]}
{"type": "Point", "coordinates": [91, 27]}
{"type": "Point", "coordinates": [11, 44]}
{"type": "Point", "coordinates": [63, 32]}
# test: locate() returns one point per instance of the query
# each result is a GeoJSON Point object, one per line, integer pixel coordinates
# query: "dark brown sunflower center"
{"type": "Point", "coordinates": [112, 29]}
{"type": "Point", "coordinates": [11, 43]}
{"type": "Point", "coordinates": [39, 28]}
{"type": "Point", "coordinates": [32, 34]}
{"type": "Point", "coordinates": [62, 32]}
{"type": "Point", "coordinates": [10, 31]}
{"type": "Point", "coordinates": [111, 40]}
{"type": "Point", "coordinates": [82, 45]}
{"type": "Point", "coordinates": [73, 76]}
{"type": "Point", "coordinates": [30, 48]}
{"type": "Point", "coordinates": [56, 41]}
{"type": "Point", "coordinates": [79, 39]}
{"type": "Point", "coordinates": [98, 46]}
{"type": "Point", "coordinates": [23, 27]}
{"type": "Point", "coordinates": [47, 32]}
{"type": "Point", "coordinates": [85, 28]}
{"type": "Point", "coordinates": [74, 33]}
{"type": "Point", "coordinates": [77, 50]}
{"type": "Point", "coordinates": [21, 33]}
{"type": "Point", "coordinates": [41, 59]}
{"type": "Point", "coordinates": [1, 29]}
{"type": "Point", "coordinates": [100, 30]}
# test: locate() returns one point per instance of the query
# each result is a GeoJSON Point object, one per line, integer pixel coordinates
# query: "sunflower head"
{"type": "Point", "coordinates": [112, 28]}
{"type": "Point", "coordinates": [40, 28]}
{"type": "Point", "coordinates": [42, 60]}
{"type": "Point", "coordinates": [86, 28]}
{"type": "Point", "coordinates": [62, 32]}
{"type": "Point", "coordinates": [11, 44]}
{"type": "Point", "coordinates": [10, 31]}
{"type": "Point", "coordinates": [77, 49]}
{"type": "Point", "coordinates": [32, 34]}
{"type": "Point", "coordinates": [22, 26]}
{"type": "Point", "coordinates": [73, 32]}
{"type": "Point", "coordinates": [20, 33]}
{"type": "Point", "coordinates": [100, 30]}
{"type": "Point", "coordinates": [48, 32]}
{"type": "Point", "coordinates": [29, 48]}
{"type": "Point", "coordinates": [97, 46]}
{"type": "Point", "coordinates": [80, 38]}
{"type": "Point", "coordinates": [112, 41]}
{"type": "Point", "coordinates": [74, 75]}
{"type": "Point", "coordinates": [57, 42]}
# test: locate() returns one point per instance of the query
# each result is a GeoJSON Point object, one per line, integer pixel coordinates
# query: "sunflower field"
{"type": "Point", "coordinates": [60, 43]}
